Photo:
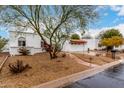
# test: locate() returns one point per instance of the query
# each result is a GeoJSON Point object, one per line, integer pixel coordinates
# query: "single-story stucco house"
{"type": "Point", "coordinates": [32, 41]}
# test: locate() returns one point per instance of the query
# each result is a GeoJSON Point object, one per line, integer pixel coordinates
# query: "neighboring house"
{"type": "Point", "coordinates": [91, 44]}
{"type": "Point", "coordinates": [33, 42]}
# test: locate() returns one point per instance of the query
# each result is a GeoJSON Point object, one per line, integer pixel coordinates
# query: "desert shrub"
{"type": "Point", "coordinates": [90, 59]}
{"type": "Point", "coordinates": [63, 55]}
{"type": "Point", "coordinates": [58, 61]}
{"type": "Point", "coordinates": [66, 68]}
{"type": "Point", "coordinates": [109, 55]}
{"type": "Point", "coordinates": [98, 54]}
{"type": "Point", "coordinates": [95, 49]}
{"type": "Point", "coordinates": [18, 67]}
{"type": "Point", "coordinates": [75, 36]}
{"type": "Point", "coordinates": [24, 51]}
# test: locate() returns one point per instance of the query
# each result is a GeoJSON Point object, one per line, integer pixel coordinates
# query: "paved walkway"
{"type": "Point", "coordinates": [81, 61]}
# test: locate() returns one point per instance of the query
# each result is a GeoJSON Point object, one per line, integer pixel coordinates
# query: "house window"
{"type": "Point", "coordinates": [21, 42]}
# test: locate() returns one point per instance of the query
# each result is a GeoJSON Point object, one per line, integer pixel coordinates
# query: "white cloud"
{"type": "Point", "coordinates": [101, 7]}
{"type": "Point", "coordinates": [95, 32]}
{"type": "Point", "coordinates": [105, 14]}
{"type": "Point", "coordinates": [118, 19]}
{"type": "Point", "coordinates": [115, 8]}
{"type": "Point", "coordinates": [118, 9]}
{"type": "Point", "coordinates": [121, 12]}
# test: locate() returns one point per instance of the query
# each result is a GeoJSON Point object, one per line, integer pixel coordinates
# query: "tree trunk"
{"type": "Point", "coordinates": [51, 57]}
{"type": "Point", "coordinates": [52, 53]}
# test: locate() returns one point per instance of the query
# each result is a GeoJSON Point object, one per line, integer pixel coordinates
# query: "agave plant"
{"type": "Point", "coordinates": [24, 51]}
{"type": "Point", "coordinates": [18, 67]}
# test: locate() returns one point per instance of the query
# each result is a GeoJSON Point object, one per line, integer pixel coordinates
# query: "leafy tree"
{"type": "Point", "coordinates": [75, 36]}
{"type": "Point", "coordinates": [3, 42]}
{"type": "Point", "coordinates": [52, 22]}
{"type": "Point", "coordinates": [110, 33]}
{"type": "Point", "coordinates": [111, 38]}
{"type": "Point", "coordinates": [113, 41]}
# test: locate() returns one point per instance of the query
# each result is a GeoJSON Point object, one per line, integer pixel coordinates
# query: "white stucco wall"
{"type": "Point", "coordinates": [33, 42]}
{"type": "Point", "coordinates": [68, 47]}
{"type": "Point", "coordinates": [120, 47]}
{"type": "Point", "coordinates": [91, 43]}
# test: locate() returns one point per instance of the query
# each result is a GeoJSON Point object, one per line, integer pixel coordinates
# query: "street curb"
{"type": "Point", "coordinates": [61, 82]}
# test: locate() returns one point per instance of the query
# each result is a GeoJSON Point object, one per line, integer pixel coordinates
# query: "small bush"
{"type": "Point", "coordinates": [58, 61]}
{"type": "Point", "coordinates": [66, 68]}
{"type": "Point", "coordinates": [97, 54]}
{"type": "Point", "coordinates": [24, 51]}
{"type": "Point", "coordinates": [90, 59]}
{"type": "Point", "coordinates": [95, 49]}
{"type": "Point", "coordinates": [75, 36]}
{"type": "Point", "coordinates": [18, 67]}
{"type": "Point", "coordinates": [63, 55]}
{"type": "Point", "coordinates": [109, 55]}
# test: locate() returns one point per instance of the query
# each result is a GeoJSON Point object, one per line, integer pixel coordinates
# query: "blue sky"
{"type": "Point", "coordinates": [110, 17]}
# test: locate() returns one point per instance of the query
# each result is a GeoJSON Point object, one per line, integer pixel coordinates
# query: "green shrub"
{"type": "Point", "coordinates": [75, 36]}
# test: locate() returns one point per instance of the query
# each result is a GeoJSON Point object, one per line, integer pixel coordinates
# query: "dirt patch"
{"type": "Point", "coordinates": [4, 54]}
{"type": "Point", "coordinates": [120, 54]}
{"type": "Point", "coordinates": [99, 60]}
{"type": "Point", "coordinates": [43, 70]}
